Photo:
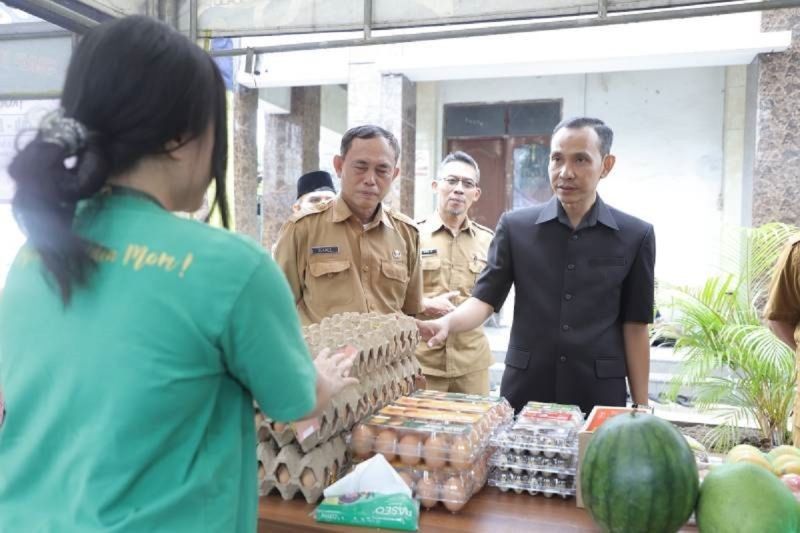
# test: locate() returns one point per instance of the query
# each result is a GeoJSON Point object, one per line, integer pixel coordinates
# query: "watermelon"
{"type": "Point", "coordinates": [639, 475]}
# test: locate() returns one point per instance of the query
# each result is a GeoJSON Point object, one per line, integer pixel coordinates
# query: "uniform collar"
{"type": "Point", "coordinates": [599, 212]}
{"type": "Point", "coordinates": [342, 212]}
{"type": "Point", "coordinates": [434, 223]}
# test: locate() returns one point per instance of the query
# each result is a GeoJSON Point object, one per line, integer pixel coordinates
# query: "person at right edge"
{"type": "Point", "coordinates": [783, 310]}
{"type": "Point", "coordinates": [584, 279]}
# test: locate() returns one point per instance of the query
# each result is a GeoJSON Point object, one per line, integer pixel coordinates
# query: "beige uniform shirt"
{"type": "Point", "coordinates": [453, 264]}
{"type": "Point", "coordinates": [784, 305]}
{"type": "Point", "coordinates": [335, 265]}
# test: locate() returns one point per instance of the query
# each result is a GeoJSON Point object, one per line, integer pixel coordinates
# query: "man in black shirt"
{"type": "Point", "coordinates": [583, 275]}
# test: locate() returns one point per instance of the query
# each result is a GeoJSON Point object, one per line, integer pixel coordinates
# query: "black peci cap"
{"type": "Point", "coordinates": [319, 180]}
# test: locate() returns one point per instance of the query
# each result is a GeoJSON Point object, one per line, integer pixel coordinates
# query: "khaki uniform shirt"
{"type": "Point", "coordinates": [784, 305]}
{"type": "Point", "coordinates": [336, 265]}
{"type": "Point", "coordinates": [453, 264]}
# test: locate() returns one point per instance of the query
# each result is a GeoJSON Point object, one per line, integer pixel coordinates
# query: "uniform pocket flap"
{"type": "Point", "coordinates": [431, 263]}
{"type": "Point", "coordinates": [476, 267]}
{"type": "Point", "coordinates": [328, 267]}
{"type": "Point", "coordinates": [518, 358]}
{"type": "Point", "coordinates": [395, 271]}
{"type": "Point", "coordinates": [610, 367]}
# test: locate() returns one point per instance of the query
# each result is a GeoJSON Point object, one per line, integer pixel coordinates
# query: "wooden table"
{"type": "Point", "coordinates": [489, 511]}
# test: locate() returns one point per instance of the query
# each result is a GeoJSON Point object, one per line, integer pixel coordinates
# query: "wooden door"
{"type": "Point", "coordinates": [490, 154]}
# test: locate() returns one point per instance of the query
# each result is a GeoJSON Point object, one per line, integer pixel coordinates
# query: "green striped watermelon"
{"type": "Point", "coordinates": [639, 475]}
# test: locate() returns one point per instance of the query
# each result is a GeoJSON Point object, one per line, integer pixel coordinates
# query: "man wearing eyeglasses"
{"type": "Point", "coordinates": [453, 252]}
{"type": "Point", "coordinates": [584, 282]}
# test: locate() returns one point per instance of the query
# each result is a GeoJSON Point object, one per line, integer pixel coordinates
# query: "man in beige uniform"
{"type": "Point", "coordinates": [453, 250]}
{"type": "Point", "coordinates": [351, 253]}
{"type": "Point", "coordinates": [783, 311]}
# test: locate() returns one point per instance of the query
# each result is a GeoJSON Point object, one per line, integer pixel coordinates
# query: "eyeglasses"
{"type": "Point", "coordinates": [452, 181]}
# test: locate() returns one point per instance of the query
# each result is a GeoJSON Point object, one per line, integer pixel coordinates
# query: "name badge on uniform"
{"type": "Point", "coordinates": [396, 255]}
{"type": "Point", "coordinates": [317, 250]}
{"type": "Point", "coordinates": [429, 252]}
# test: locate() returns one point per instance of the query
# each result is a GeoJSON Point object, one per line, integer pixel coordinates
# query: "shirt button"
{"type": "Point", "coordinates": [563, 358]}
{"type": "Point", "coordinates": [565, 327]}
{"type": "Point", "coordinates": [570, 267]}
{"type": "Point", "coordinates": [574, 237]}
{"type": "Point", "coordinates": [365, 268]}
{"type": "Point", "coordinates": [568, 297]}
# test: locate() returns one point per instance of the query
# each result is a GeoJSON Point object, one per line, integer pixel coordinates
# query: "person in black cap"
{"type": "Point", "coordinates": [313, 188]}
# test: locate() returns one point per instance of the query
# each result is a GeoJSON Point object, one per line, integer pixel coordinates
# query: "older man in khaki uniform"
{"type": "Point", "coordinates": [453, 250]}
{"type": "Point", "coordinates": [783, 311]}
{"type": "Point", "coordinates": [351, 253]}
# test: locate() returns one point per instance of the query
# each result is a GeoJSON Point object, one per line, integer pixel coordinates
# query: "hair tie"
{"type": "Point", "coordinates": [63, 131]}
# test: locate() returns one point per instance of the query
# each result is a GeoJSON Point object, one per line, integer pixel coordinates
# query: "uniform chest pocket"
{"type": "Point", "coordinates": [330, 281]}
{"type": "Point", "coordinates": [431, 273]}
{"type": "Point", "coordinates": [395, 271]}
{"type": "Point", "coordinates": [476, 266]}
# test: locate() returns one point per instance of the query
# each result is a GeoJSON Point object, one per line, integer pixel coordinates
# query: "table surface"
{"type": "Point", "coordinates": [489, 511]}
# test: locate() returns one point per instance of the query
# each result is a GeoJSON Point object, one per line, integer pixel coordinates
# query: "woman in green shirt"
{"type": "Point", "coordinates": [133, 341]}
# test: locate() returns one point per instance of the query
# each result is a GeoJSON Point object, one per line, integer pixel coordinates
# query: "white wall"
{"type": "Point", "coordinates": [668, 128]}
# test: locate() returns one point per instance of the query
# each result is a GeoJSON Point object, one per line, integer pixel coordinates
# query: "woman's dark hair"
{"type": "Point", "coordinates": [134, 84]}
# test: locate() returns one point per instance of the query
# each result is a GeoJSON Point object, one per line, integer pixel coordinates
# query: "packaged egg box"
{"type": "Point", "coordinates": [549, 418]}
{"type": "Point", "coordinates": [467, 403]}
{"type": "Point", "coordinates": [548, 462]}
{"type": "Point", "coordinates": [451, 488]}
{"type": "Point", "coordinates": [378, 339]}
{"type": "Point", "coordinates": [414, 436]}
{"type": "Point", "coordinates": [373, 392]}
{"type": "Point", "coordinates": [289, 471]}
{"type": "Point", "coordinates": [533, 484]}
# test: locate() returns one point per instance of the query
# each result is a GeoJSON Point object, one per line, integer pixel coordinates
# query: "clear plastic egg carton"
{"type": "Point", "coordinates": [526, 441]}
{"type": "Point", "coordinates": [451, 488]}
{"type": "Point", "coordinates": [533, 484]}
{"type": "Point", "coordinates": [561, 465]}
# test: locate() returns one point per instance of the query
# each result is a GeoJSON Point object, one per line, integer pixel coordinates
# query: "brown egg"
{"type": "Point", "coordinates": [435, 450]}
{"type": "Point", "coordinates": [278, 426]}
{"type": "Point", "coordinates": [408, 448]}
{"type": "Point", "coordinates": [362, 440]}
{"type": "Point", "coordinates": [408, 479]}
{"type": "Point", "coordinates": [461, 453]}
{"type": "Point", "coordinates": [427, 491]}
{"type": "Point", "coordinates": [283, 474]}
{"type": "Point", "coordinates": [454, 494]}
{"type": "Point", "coordinates": [386, 443]}
{"type": "Point", "coordinates": [308, 479]}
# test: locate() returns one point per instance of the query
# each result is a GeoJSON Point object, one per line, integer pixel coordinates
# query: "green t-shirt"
{"type": "Point", "coordinates": [132, 408]}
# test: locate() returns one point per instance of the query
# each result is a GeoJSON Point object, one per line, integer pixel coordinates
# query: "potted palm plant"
{"type": "Point", "coordinates": [730, 359]}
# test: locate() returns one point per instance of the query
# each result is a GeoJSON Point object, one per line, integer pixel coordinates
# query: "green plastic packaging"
{"type": "Point", "coordinates": [388, 511]}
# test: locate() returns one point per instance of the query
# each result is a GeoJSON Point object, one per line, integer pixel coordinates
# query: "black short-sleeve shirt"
{"type": "Point", "coordinates": [574, 290]}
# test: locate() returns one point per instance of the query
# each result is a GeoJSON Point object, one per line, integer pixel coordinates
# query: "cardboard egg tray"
{"type": "Point", "coordinates": [351, 405]}
{"type": "Point", "coordinates": [428, 432]}
{"type": "Point", "coordinates": [533, 484]}
{"type": "Point", "coordinates": [289, 470]}
{"type": "Point", "coordinates": [307, 456]}
{"type": "Point", "coordinates": [378, 339]}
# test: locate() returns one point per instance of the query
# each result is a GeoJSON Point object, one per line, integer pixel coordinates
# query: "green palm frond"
{"type": "Point", "coordinates": [729, 357]}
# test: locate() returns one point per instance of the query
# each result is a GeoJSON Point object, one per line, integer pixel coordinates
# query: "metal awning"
{"type": "Point", "coordinates": [234, 18]}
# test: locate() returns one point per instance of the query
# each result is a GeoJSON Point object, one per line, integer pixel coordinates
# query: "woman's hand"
{"type": "Point", "coordinates": [334, 369]}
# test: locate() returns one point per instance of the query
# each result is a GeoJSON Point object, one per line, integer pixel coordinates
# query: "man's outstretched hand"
{"type": "Point", "coordinates": [433, 331]}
